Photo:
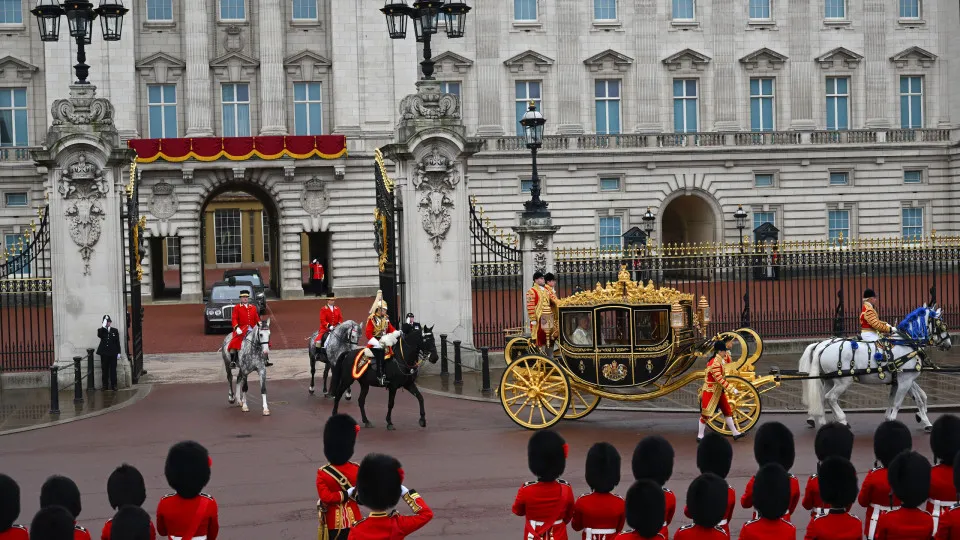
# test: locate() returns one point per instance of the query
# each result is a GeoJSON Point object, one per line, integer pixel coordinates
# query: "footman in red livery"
{"type": "Point", "coordinates": [909, 477]}
{"type": "Point", "coordinates": [188, 512]}
{"type": "Point", "coordinates": [772, 489]}
{"type": "Point", "coordinates": [707, 503]}
{"type": "Point", "coordinates": [380, 488]}
{"type": "Point", "coordinates": [837, 490]}
{"type": "Point", "coordinates": [600, 514]}
{"type": "Point", "coordinates": [10, 510]}
{"type": "Point", "coordinates": [546, 504]}
{"type": "Point", "coordinates": [645, 506]}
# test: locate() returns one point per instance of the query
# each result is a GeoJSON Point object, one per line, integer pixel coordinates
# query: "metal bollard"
{"type": "Point", "coordinates": [444, 366]}
{"type": "Point", "coordinates": [77, 380]}
{"type": "Point", "coordinates": [54, 390]}
{"type": "Point", "coordinates": [457, 367]}
{"type": "Point", "coordinates": [485, 368]}
{"type": "Point", "coordinates": [91, 386]}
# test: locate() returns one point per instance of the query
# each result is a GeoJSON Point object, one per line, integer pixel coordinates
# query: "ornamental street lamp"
{"type": "Point", "coordinates": [425, 15]}
{"type": "Point", "coordinates": [649, 223]}
{"type": "Point", "coordinates": [80, 16]}
{"type": "Point", "coordinates": [532, 123]}
{"type": "Point", "coordinates": [741, 216]}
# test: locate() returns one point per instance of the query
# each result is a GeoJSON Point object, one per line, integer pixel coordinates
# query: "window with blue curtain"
{"type": "Point", "coordinates": [307, 108]}
{"type": "Point", "coordinates": [611, 232]}
{"type": "Point", "coordinates": [685, 105]}
{"type": "Point", "coordinates": [683, 10]}
{"type": "Point", "coordinates": [162, 105]}
{"type": "Point", "coordinates": [450, 87]}
{"type": "Point", "coordinates": [16, 264]}
{"type": "Point", "coordinates": [13, 117]}
{"type": "Point", "coordinates": [232, 10]}
{"type": "Point", "coordinates": [838, 222]}
{"type": "Point", "coordinates": [525, 10]}
{"type": "Point", "coordinates": [759, 9]}
{"type": "Point", "coordinates": [525, 92]}
{"type": "Point", "coordinates": [759, 218]}
{"type": "Point", "coordinates": [911, 102]}
{"type": "Point", "coordinates": [11, 11]}
{"type": "Point", "coordinates": [305, 9]}
{"type": "Point", "coordinates": [761, 104]}
{"type": "Point", "coordinates": [763, 180]}
{"type": "Point", "coordinates": [235, 99]}
{"type": "Point", "coordinates": [605, 10]}
{"type": "Point", "coordinates": [159, 10]}
{"type": "Point", "coordinates": [839, 178]}
{"type": "Point", "coordinates": [912, 223]}
{"type": "Point", "coordinates": [835, 9]}
{"type": "Point", "coordinates": [909, 9]}
{"type": "Point", "coordinates": [838, 103]}
{"type": "Point", "coordinates": [607, 96]}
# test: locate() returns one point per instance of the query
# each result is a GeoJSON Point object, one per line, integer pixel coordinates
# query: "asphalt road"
{"type": "Point", "coordinates": [468, 462]}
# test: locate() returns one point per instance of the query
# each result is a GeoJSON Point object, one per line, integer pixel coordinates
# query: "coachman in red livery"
{"type": "Point", "coordinates": [245, 316]}
{"type": "Point", "coordinates": [713, 393]}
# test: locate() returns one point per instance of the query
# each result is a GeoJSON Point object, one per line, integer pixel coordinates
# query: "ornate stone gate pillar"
{"type": "Point", "coordinates": [87, 169]}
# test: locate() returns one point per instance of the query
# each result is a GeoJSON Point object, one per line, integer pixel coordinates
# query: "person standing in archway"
{"type": "Point", "coordinates": [316, 277]}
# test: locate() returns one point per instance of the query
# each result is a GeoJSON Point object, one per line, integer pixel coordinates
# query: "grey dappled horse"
{"type": "Point", "coordinates": [343, 337]}
{"type": "Point", "coordinates": [254, 352]}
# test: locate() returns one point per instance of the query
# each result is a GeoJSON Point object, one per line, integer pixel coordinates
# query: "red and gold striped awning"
{"type": "Point", "coordinates": [240, 148]}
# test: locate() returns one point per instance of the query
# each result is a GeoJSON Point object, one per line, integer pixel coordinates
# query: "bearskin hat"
{"type": "Point", "coordinates": [546, 455]}
{"type": "Point", "coordinates": [909, 477]}
{"type": "Point", "coordinates": [187, 468]}
{"type": "Point", "coordinates": [378, 482]}
{"type": "Point", "coordinates": [131, 523]}
{"type": "Point", "coordinates": [645, 507]}
{"type": "Point", "coordinates": [9, 502]}
{"type": "Point", "coordinates": [714, 454]}
{"type": "Point", "coordinates": [125, 486]}
{"type": "Point", "coordinates": [707, 500]}
{"type": "Point", "coordinates": [833, 439]}
{"type": "Point", "coordinates": [61, 491]}
{"type": "Point", "coordinates": [603, 467]}
{"type": "Point", "coordinates": [52, 523]}
{"type": "Point", "coordinates": [945, 439]}
{"type": "Point", "coordinates": [774, 444]}
{"type": "Point", "coordinates": [891, 438]}
{"type": "Point", "coordinates": [653, 460]}
{"type": "Point", "coordinates": [838, 482]}
{"type": "Point", "coordinates": [339, 438]}
{"type": "Point", "coordinates": [771, 491]}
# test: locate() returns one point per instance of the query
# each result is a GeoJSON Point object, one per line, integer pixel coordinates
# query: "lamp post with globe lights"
{"type": "Point", "coordinates": [425, 15]}
{"type": "Point", "coordinates": [532, 123]}
{"type": "Point", "coordinates": [80, 16]}
{"type": "Point", "coordinates": [740, 215]}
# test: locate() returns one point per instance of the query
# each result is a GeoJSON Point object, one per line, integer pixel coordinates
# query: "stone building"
{"type": "Point", "coordinates": [823, 117]}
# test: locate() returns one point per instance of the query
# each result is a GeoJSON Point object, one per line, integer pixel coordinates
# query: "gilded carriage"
{"type": "Point", "coordinates": [628, 342]}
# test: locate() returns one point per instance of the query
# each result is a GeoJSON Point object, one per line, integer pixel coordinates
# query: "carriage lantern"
{"type": "Point", "coordinates": [704, 308]}
{"type": "Point", "coordinates": [676, 316]}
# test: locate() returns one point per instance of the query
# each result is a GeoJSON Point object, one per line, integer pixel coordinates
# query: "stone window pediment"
{"type": "Point", "coordinates": [161, 68]}
{"type": "Point", "coordinates": [234, 67]}
{"type": "Point", "coordinates": [913, 56]}
{"type": "Point", "coordinates": [306, 65]}
{"type": "Point", "coordinates": [609, 60]}
{"type": "Point", "coordinates": [528, 62]}
{"type": "Point", "coordinates": [687, 59]}
{"type": "Point", "coordinates": [763, 59]}
{"type": "Point", "coordinates": [840, 57]}
{"type": "Point", "coordinates": [10, 67]}
{"type": "Point", "coordinates": [450, 62]}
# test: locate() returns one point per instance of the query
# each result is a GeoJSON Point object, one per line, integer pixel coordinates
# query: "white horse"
{"type": "Point", "coordinates": [254, 352]}
{"type": "Point", "coordinates": [341, 338]}
{"type": "Point", "coordinates": [839, 362]}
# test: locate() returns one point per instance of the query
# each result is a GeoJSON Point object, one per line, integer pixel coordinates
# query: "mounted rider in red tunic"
{"type": "Point", "coordinates": [378, 325]}
{"type": "Point", "coordinates": [330, 317]}
{"type": "Point", "coordinates": [713, 394]}
{"type": "Point", "coordinates": [245, 317]}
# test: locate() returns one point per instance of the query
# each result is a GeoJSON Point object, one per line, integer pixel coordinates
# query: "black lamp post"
{"type": "Point", "coordinates": [425, 15]}
{"type": "Point", "coordinates": [741, 216]}
{"type": "Point", "coordinates": [533, 122]}
{"type": "Point", "coordinates": [649, 222]}
{"type": "Point", "coordinates": [80, 16]}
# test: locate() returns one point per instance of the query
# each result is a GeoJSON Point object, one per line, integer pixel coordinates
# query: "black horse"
{"type": "Point", "coordinates": [402, 370]}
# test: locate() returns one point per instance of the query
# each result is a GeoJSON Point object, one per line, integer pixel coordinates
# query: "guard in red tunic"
{"type": "Point", "coordinates": [713, 393]}
{"type": "Point", "coordinates": [949, 527]}
{"type": "Point", "coordinates": [910, 479]}
{"type": "Point", "coordinates": [838, 490]}
{"type": "Point", "coordinates": [53, 523]}
{"type": "Point", "coordinates": [890, 438]}
{"type": "Point", "coordinates": [653, 460]}
{"type": "Point", "coordinates": [773, 497]}
{"type": "Point", "coordinates": [715, 455]}
{"type": "Point", "coordinates": [380, 488]}
{"type": "Point", "coordinates": [707, 503]}
{"type": "Point", "coordinates": [330, 317]}
{"type": "Point", "coordinates": [945, 444]}
{"type": "Point", "coordinates": [338, 512]}
{"type": "Point", "coordinates": [645, 505]}
{"type": "Point", "coordinates": [316, 276]}
{"type": "Point", "coordinates": [833, 439]}
{"type": "Point", "coordinates": [244, 317]}
{"type": "Point", "coordinates": [125, 487]}
{"type": "Point", "coordinates": [10, 510]}
{"type": "Point", "coordinates": [188, 512]}
{"type": "Point", "coordinates": [378, 325]}
{"type": "Point", "coordinates": [133, 523]}
{"type": "Point", "coordinates": [600, 514]}
{"type": "Point", "coordinates": [774, 444]}
{"type": "Point", "coordinates": [62, 491]}
{"type": "Point", "coordinates": [546, 504]}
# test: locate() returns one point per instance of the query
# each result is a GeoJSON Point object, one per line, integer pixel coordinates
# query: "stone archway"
{"type": "Point", "coordinates": [689, 218]}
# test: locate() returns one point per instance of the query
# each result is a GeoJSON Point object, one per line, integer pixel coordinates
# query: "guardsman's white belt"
{"type": "Point", "coordinates": [204, 537]}
{"type": "Point", "coordinates": [939, 507]}
{"type": "Point", "coordinates": [878, 509]}
{"type": "Point", "coordinates": [598, 534]}
{"type": "Point", "coordinates": [537, 524]}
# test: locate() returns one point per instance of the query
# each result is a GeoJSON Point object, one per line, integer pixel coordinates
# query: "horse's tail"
{"type": "Point", "coordinates": [812, 395]}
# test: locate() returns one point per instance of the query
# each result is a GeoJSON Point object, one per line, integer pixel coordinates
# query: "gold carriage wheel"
{"type": "Point", "coordinates": [519, 347]}
{"type": "Point", "coordinates": [534, 392]}
{"type": "Point", "coordinates": [746, 408]}
{"type": "Point", "coordinates": [582, 403]}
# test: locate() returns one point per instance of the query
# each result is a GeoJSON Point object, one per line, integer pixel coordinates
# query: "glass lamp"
{"type": "Point", "coordinates": [676, 316]}
{"type": "Point", "coordinates": [425, 13]}
{"type": "Point", "coordinates": [533, 122]}
{"type": "Point", "coordinates": [111, 14]}
{"type": "Point", "coordinates": [741, 216]}
{"type": "Point", "coordinates": [80, 17]}
{"type": "Point", "coordinates": [48, 14]}
{"type": "Point", "coordinates": [704, 308]}
{"type": "Point", "coordinates": [455, 12]}
{"type": "Point", "coordinates": [396, 13]}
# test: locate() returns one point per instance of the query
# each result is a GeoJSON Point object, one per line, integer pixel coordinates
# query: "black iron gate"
{"type": "Point", "coordinates": [496, 270]}
{"type": "Point", "coordinates": [386, 238]}
{"type": "Point", "coordinates": [132, 228]}
{"type": "Point", "coordinates": [26, 308]}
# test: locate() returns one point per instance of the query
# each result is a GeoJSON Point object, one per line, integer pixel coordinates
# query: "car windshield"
{"type": "Point", "coordinates": [226, 292]}
{"type": "Point", "coordinates": [252, 278]}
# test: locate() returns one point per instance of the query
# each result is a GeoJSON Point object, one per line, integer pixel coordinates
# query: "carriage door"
{"type": "Point", "coordinates": [614, 340]}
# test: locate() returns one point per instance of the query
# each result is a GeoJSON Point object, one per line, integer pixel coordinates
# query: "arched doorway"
{"type": "Point", "coordinates": [239, 229]}
{"type": "Point", "coordinates": [688, 219]}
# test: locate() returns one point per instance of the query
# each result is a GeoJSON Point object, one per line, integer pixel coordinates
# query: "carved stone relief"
{"type": "Point", "coordinates": [163, 203]}
{"type": "Point", "coordinates": [82, 108]}
{"type": "Point", "coordinates": [429, 103]}
{"type": "Point", "coordinates": [315, 198]}
{"type": "Point", "coordinates": [83, 188]}
{"type": "Point", "coordinates": [435, 180]}
{"type": "Point", "coordinates": [540, 262]}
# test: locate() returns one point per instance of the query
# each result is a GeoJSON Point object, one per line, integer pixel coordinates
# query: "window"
{"type": "Point", "coordinates": [912, 177]}
{"type": "Point", "coordinates": [909, 9]}
{"type": "Point", "coordinates": [763, 180]}
{"type": "Point", "coordinates": [15, 264]}
{"type": "Point", "coordinates": [265, 227]}
{"type": "Point", "coordinates": [835, 9]}
{"type": "Point", "coordinates": [912, 223]}
{"type": "Point", "coordinates": [236, 110]}
{"type": "Point", "coordinates": [226, 232]}
{"type": "Point", "coordinates": [911, 102]}
{"type": "Point", "coordinates": [610, 232]}
{"type": "Point", "coordinates": [839, 178]}
{"type": "Point", "coordinates": [450, 87]}
{"type": "Point", "coordinates": [838, 223]}
{"type": "Point", "coordinates": [305, 10]}
{"type": "Point", "coordinates": [526, 91]}
{"type": "Point", "coordinates": [608, 106]}
{"type": "Point", "coordinates": [683, 10]}
{"type": "Point", "coordinates": [173, 250]}
{"type": "Point", "coordinates": [761, 104]}
{"type": "Point", "coordinates": [11, 12]}
{"type": "Point", "coordinates": [13, 117]}
{"type": "Point", "coordinates": [605, 10]}
{"type": "Point", "coordinates": [307, 108]}
{"type": "Point", "coordinates": [232, 10]}
{"type": "Point", "coordinates": [759, 218]}
{"type": "Point", "coordinates": [527, 185]}
{"type": "Point", "coordinates": [610, 184]}
{"type": "Point", "coordinates": [525, 10]}
{"type": "Point", "coordinates": [163, 110]}
{"type": "Point", "coordinates": [15, 199]}
{"type": "Point", "coordinates": [838, 103]}
{"type": "Point", "coordinates": [759, 9]}
{"type": "Point", "coordinates": [159, 10]}
{"type": "Point", "coordinates": [685, 105]}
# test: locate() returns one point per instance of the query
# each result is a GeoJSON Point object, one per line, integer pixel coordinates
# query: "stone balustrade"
{"type": "Point", "coordinates": [16, 153]}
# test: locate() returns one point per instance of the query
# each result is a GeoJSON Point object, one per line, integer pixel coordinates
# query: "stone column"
{"type": "Point", "coordinates": [946, 18]}
{"type": "Point", "coordinates": [536, 243]}
{"type": "Point", "coordinates": [803, 70]}
{"type": "Point", "coordinates": [876, 63]}
{"type": "Point", "coordinates": [197, 45]}
{"type": "Point", "coordinates": [569, 68]}
{"type": "Point", "coordinates": [648, 68]}
{"type": "Point", "coordinates": [725, 68]}
{"type": "Point", "coordinates": [489, 67]}
{"type": "Point", "coordinates": [87, 170]}
{"type": "Point", "coordinates": [272, 79]}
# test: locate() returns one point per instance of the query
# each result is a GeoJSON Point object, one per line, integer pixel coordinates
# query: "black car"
{"type": "Point", "coordinates": [218, 311]}
{"type": "Point", "coordinates": [259, 293]}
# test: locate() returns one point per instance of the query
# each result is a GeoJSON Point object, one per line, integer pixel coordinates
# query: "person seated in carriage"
{"type": "Point", "coordinates": [583, 333]}
{"type": "Point", "coordinates": [713, 394]}
{"type": "Point", "coordinates": [871, 327]}
{"type": "Point", "coordinates": [245, 317]}
{"type": "Point", "coordinates": [330, 317]}
{"type": "Point", "coordinates": [378, 325]}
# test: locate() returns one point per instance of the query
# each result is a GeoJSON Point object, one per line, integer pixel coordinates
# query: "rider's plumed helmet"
{"type": "Point", "coordinates": [645, 508]}
{"type": "Point", "coordinates": [833, 439]}
{"type": "Point", "coordinates": [771, 491]}
{"type": "Point", "coordinates": [61, 491]}
{"type": "Point", "coordinates": [945, 439]}
{"type": "Point", "coordinates": [891, 438]}
{"type": "Point", "coordinates": [714, 454]}
{"type": "Point", "coordinates": [603, 467]}
{"type": "Point", "coordinates": [707, 500]}
{"type": "Point", "coordinates": [339, 438]}
{"type": "Point", "coordinates": [774, 444]}
{"type": "Point", "coordinates": [379, 482]}
{"type": "Point", "coordinates": [125, 486]}
{"type": "Point", "coordinates": [653, 459]}
{"type": "Point", "coordinates": [187, 468]}
{"type": "Point", "coordinates": [546, 455]}
{"type": "Point", "coordinates": [909, 477]}
{"type": "Point", "coordinates": [9, 502]}
{"type": "Point", "coordinates": [131, 523]}
{"type": "Point", "coordinates": [838, 482]}
{"type": "Point", "coordinates": [378, 303]}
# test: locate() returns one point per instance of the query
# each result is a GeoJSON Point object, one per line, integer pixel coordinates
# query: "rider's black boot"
{"type": "Point", "coordinates": [233, 359]}
{"type": "Point", "coordinates": [381, 372]}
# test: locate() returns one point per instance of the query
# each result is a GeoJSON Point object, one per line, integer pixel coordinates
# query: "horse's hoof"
{"type": "Point", "coordinates": [231, 400]}
{"type": "Point", "coordinates": [310, 390]}
{"type": "Point", "coordinates": [367, 425]}
{"type": "Point", "coordinates": [390, 427]}
{"type": "Point", "coordinates": [811, 423]}
{"type": "Point", "coordinates": [266, 412]}
{"type": "Point", "coordinates": [244, 408]}
{"type": "Point", "coordinates": [423, 422]}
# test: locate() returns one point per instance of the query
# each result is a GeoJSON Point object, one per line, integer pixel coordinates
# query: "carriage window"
{"type": "Point", "coordinates": [578, 328]}
{"type": "Point", "coordinates": [651, 326]}
{"type": "Point", "coordinates": [613, 326]}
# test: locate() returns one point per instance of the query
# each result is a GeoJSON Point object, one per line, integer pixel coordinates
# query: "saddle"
{"type": "Point", "coordinates": [363, 361]}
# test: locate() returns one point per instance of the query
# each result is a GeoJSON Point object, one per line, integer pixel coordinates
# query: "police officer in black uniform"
{"type": "Point", "coordinates": [109, 351]}
{"type": "Point", "coordinates": [409, 324]}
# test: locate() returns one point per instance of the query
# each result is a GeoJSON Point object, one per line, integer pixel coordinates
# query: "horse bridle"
{"type": "Point", "coordinates": [257, 341]}
{"type": "Point", "coordinates": [421, 355]}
